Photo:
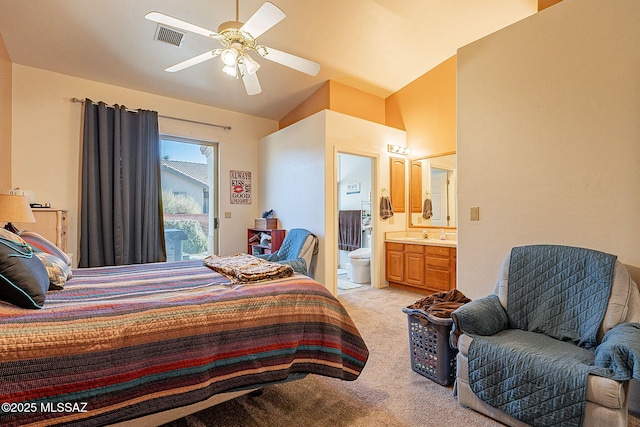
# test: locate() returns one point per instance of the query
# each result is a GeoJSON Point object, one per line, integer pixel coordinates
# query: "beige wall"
{"type": "Point", "coordinates": [5, 117]}
{"type": "Point", "coordinates": [47, 140]}
{"type": "Point", "coordinates": [299, 180]}
{"type": "Point", "coordinates": [548, 137]}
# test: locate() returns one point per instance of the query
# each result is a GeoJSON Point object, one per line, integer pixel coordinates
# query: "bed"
{"type": "Point", "coordinates": [130, 342]}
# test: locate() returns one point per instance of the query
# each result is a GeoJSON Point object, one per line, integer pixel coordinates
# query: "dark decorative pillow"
{"type": "Point", "coordinates": [40, 244]}
{"type": "Point", "coordinates": [59, 272]}
{"type": "Point", "coordinates": [23, 278]}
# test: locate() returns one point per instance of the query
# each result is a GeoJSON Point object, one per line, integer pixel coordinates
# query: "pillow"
{"type": "Point", "coordinates": [7, 235]}
{"type": "Point", "coordinates": [59, 272]}
{"type": "Point", "coordinates": [40, 244]}
{"type": "Point", "coordinates": [23, 278]}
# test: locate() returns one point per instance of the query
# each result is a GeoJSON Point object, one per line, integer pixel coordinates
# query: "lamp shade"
{"type": "Point", "coordinates": [15, 209]}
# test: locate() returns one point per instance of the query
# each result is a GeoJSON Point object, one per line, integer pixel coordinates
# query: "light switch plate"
{"type": "Point", "coordinates": [227, 214]}
{"type": "Point", "coordinates": [475, 213]}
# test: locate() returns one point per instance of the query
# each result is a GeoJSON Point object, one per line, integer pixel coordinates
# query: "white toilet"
{"type": "Point", "coordinates": [359, 268]}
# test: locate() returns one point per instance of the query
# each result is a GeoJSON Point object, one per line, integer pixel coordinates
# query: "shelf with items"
{"type": "Point", "coordinates": [263, 241]}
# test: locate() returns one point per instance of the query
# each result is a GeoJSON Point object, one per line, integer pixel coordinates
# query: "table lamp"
{"type": "Point", "coordinates": [15, 209]}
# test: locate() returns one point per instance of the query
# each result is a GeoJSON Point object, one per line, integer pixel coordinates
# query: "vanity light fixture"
{"type": "Point", "coordinates": [396, 149]}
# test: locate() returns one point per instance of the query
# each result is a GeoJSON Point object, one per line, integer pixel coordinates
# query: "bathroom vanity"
{"type": "Point", "coordinates": [423, 258]}
{"type": "Point", "coordinates": [420, 265]}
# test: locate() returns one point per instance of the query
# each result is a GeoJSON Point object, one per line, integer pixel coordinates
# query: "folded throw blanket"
{"type": "Point", "coordinates": [243, 268]}
{"type": "Point", "coordinates": [441, 304]}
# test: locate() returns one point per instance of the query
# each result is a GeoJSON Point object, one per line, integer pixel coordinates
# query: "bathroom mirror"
{"type": "Point", "coordinates": [432, 191]}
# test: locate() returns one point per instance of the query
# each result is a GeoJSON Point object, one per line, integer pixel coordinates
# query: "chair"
{"type": "Point", "coordinates": [544, 303]}
{"type": "Point", "coordinates": [299, 249]}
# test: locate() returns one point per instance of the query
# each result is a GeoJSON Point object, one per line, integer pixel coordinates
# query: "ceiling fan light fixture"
{"type": "Point", "coordinates": [229, 56]}
{"type": "Point", "coordinates": [250, 64]}
{"type": "Point", "coordinates": [231, 70]}
{"type": "Point", "coordinates": [262, 50]}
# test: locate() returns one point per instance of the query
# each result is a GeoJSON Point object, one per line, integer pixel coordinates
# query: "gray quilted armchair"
{"type": "Point", "coordinates": [299, 249]}
{"type": "Point", "coordinates": [555, 344]}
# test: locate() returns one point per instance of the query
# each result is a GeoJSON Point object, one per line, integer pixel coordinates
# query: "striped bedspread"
{"type": "Point", "coordinates": [122, 342]}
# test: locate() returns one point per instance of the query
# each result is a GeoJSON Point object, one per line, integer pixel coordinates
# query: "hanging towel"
{"type": "Point", "coordinates": [427, 209]}
{"type": "Point", "coordinates": [386, 210]}
{"type": "Point", "coordinates": [349, 230]}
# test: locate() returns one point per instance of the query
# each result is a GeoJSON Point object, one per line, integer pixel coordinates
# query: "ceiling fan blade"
{"type": "Point", "coordinates": [251, 82]}
{"type": "Point", "coordinates": [266, 17]}
{"type": "Point", "coordinates": [193, 61]}
{"type": "Point", "coordinates": [292, 61]}
{"type": "Point", "coordinates": [177, 23]}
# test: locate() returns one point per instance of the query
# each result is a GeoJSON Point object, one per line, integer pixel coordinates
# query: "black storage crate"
{"type": "Point", "coordinates": [431, 354]}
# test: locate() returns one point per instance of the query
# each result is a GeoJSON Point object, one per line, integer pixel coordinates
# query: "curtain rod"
{"type": "Point", "coordinates": [169, 117]}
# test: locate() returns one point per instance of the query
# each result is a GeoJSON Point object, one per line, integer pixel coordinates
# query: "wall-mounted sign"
{"type": "Point", "coordinates": [353, 188]}
{"type": "Point", "coordinates": [240, 187]}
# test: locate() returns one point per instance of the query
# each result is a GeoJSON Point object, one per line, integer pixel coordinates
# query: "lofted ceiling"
{"type": "Point", "coordinates": [378, 46]}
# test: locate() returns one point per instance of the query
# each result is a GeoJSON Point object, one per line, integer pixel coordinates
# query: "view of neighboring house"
{"type": "Point", "coordinates": [186, 179]}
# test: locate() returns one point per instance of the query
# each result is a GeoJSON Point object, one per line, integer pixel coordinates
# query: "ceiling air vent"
{"type": "Point", "coordinates": [169, 35]}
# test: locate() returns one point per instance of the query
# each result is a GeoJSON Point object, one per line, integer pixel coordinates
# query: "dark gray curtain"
{"type": "Point", "coordinates": [121, 206]}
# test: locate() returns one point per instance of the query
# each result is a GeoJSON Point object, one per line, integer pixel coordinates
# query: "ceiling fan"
{"type": "Point", "coordinates": [238, 40]}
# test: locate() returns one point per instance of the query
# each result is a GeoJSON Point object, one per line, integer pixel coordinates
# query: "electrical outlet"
{"type": "Point", "coordinates": [475, 213]}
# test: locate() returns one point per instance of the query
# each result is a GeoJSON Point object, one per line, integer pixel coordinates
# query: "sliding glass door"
{"type": "Point", "coordinates": [189, 197]}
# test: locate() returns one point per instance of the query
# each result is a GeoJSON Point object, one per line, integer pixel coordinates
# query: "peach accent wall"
{"type": "Point", "coordinates": [5, 117]}
{"type": "Point", "coordinates": [543, 4]}
{"type": "Point", "coordinates": [356, 103]}
{"type": "Point", "coordinates": [426, 109]}
{"type": "Point", "coordinates": [342, 99]}
{"type": "Point", "coordinates": [318, 101]}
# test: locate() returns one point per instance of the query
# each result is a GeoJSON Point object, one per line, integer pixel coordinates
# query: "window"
{"type": "Point", "coordinates": [189, 197]}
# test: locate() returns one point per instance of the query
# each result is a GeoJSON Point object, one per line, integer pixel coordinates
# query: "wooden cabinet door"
{"type": "Point", "coordinates": [414, 269]}
{"type": "Point", "coordinates": [415, 189]}
{"type": "Point", "coordinates": [394, 258]}
{"type": "Point", "coordinates": [397, 184]}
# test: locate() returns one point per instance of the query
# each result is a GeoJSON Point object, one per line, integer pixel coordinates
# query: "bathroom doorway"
{"type": "Point", "coordinates": [355, 225]}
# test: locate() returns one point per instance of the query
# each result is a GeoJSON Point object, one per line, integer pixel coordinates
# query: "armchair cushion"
{"type": "Point", "coordinates": [519, 372]}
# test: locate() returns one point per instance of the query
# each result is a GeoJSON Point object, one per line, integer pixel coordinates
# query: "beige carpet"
{"type": "Point", "coordinates": [387, 393]}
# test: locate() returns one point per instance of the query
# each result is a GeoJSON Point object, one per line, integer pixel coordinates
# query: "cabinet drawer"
{"type": "Point", "coordinates": [394, 246]}
{"type": "Point", "coordinates": [441, 263]}
{"type": "Point", "coordinates": [414, 249]}
{"type": "Point", "coordinates": [437, 251]}
{"type": "Point", "coordinates": [438, 279]}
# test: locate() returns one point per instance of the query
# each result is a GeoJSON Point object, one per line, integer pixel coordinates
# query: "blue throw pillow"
{"type": "Point", "coordinates": [23, 279]}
